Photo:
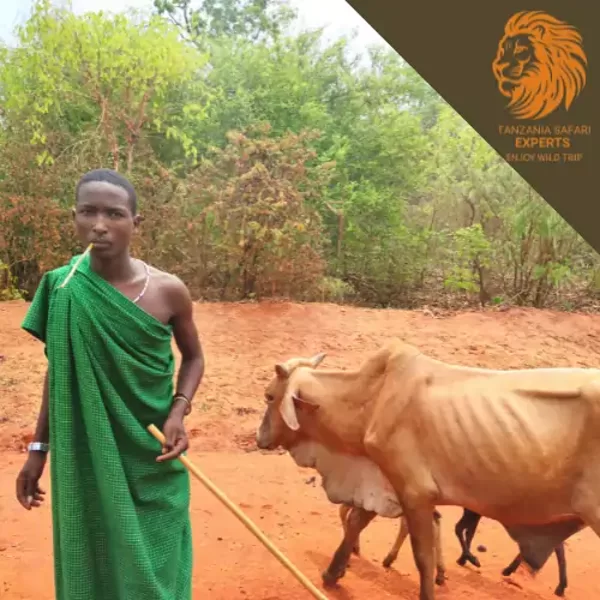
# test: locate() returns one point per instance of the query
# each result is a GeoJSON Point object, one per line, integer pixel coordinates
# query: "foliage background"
{"type": "Point", "coordinates": [268, 164]}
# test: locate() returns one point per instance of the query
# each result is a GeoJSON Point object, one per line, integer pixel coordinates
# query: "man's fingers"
{"type": "Point", "coordinates": [26, 492]}
{"type": "Point", "coordinates": [30, 490]}
{"type": "Point", "coordinates": [169, 443]}
{"type": "Point", "coordinates": [171, 435]}
{"type": "Point", "coordinates": [22, 491]}
{"type": "Point", "coordinates": [168, 450]}
{"type": "Point", "coordinates": [175, 451]}
{"type": "Point", "coordinates": [170, 455]}
{"type": "Point", "coordinates": [167, 456]}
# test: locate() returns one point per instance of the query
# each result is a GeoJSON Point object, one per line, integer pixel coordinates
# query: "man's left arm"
{"type": "Point", "coordinates": [190, 373]}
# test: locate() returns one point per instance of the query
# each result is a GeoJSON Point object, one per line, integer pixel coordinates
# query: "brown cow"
{"type": "Point", "coordinates": [407, 432]}
{"type": "Point", "coordinates": [354, 520]}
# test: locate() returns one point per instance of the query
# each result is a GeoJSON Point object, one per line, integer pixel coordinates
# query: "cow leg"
{"type": "Point", "coordinates": [467, 525]}
{"type": "Point", "coordinates": [440, 576]}
{"type": "Point", "coordinates": [562, 570]}
{"type": "Point", "coordinates": [393, 553]}
{"type": "Point", "coordinates": [403, 533]}
{"type": "Point", "coordinates": [344, 510]}
{"type": "Point", "coordinates": [514, 565]}
{"type": "Point", "coordinates": [356, 521]}
{"type": "Point", "coordinates": [420, 527]}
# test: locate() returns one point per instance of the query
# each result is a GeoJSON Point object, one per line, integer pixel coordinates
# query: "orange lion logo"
{"type": "Point", "coordinates": [540, 64]}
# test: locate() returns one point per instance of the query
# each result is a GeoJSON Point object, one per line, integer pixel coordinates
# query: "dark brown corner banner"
{"type": "Point", "coordinates": [522, 74]}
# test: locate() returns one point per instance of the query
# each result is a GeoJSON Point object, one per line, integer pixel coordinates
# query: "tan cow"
{"type": "Point", "coordinates": [405, 432]}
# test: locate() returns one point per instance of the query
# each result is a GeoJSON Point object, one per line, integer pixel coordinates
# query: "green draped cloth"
{"type": "Point", "coordinates": [121, 524]}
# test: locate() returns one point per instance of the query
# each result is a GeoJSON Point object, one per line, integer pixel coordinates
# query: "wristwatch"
{"type": "Point", "coordinates": [38, 447]}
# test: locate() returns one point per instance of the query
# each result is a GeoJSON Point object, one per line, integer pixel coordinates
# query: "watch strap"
{"type": "Point", "coordinates": [38, 447]}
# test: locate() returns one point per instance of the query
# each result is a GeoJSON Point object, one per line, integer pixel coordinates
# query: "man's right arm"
{"type": "Point", "coordinates": [35, 322]}
{"type": "Point", "coordinates": [29, 492]}
{"type": "Point", "coordinates": [42, 430]}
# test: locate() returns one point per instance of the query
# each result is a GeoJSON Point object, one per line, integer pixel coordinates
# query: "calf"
{"type": "Point", "coordinates": [354, 520]}
{"type": "Point", "coordinates": [467, 526]}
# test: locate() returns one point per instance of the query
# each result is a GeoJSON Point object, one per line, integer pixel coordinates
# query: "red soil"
{"type": "Point", "coordinates": [242, 342]}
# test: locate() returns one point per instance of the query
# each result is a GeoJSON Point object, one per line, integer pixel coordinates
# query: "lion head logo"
{"type": "Point", "coordinates": [540, 64]}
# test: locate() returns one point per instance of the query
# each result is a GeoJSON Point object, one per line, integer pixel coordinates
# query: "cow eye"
{"type": "Point", "coordinates": [269, 398]}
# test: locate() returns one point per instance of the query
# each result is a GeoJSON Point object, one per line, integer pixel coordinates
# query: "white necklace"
{"type": "Point", "coordinates": [139, 296]}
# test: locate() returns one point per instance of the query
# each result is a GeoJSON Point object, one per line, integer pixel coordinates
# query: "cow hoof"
{"type": "Point", "coordinates": [462, 561]}
{"type": "Point", "coordinates": [387, 561]}
{"type": "Point", "coordinates": [474, 561]}
{"type": "Point", "coordinates": [508, 572]}
{"type": "Point", "coordinates": [559, 591]}
{"type": "Point", "coordinates": [330, 579]}
{"type": "Point", "coordinates": [440, 578]}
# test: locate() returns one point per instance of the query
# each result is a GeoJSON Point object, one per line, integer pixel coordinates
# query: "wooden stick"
{"type": "Point", "coordinates": [244, 519]}
{"type": "Point", "coordinates": [87, 251]}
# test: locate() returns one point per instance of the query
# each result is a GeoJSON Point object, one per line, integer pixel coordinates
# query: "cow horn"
{"type": "Point", "coordinates": [282, 371]}
{"type": "Point", "coordinates": [317, 359]}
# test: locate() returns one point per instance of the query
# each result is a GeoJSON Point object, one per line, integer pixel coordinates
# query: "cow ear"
{"type": "Point", "coordinates": [287, 409]}
{"type": "Point", "coordinates": [302, 402]}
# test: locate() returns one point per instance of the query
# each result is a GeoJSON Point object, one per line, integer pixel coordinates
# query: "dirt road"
{"type": "Point", "coordinates": [242, 342]}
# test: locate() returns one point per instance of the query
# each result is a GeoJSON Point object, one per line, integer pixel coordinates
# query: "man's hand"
{"type": "Point", "coordinates": [29, 493]}
{"type": "Point", "coordinates": [176, 440]}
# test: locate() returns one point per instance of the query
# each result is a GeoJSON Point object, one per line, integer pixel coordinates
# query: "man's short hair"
{"type": "Point", "coordinates": [110, 176]}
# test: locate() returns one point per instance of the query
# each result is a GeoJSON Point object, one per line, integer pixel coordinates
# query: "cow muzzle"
{"type": "Point", "coordinates": [262, 445]}
{"type": "Point", "coordinates": [264, 440]}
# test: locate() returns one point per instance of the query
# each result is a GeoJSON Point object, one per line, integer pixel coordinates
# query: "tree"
{"type": "Point", "coordinates": [269, 163]}
{"type": "Point", "coordinates": [249, 20]}
{"type": "Point", "coordinates": [95, 86]}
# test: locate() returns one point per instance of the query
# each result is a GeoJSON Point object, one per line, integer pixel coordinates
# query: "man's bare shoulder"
{"type": "Point", "coordinates": [169, 284]}
{"type": "Point", "coordinates": [171, 291]}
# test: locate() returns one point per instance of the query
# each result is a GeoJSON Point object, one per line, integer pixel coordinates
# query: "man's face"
{"type": "Point", "coordinates": [103, 216]}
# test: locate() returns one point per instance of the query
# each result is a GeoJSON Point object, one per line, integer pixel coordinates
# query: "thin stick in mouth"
{"type": "Point", "coordinates": [76, 265]}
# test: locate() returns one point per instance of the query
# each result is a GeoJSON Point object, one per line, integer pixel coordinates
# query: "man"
{"type": "Point", "coordinates": [120, 508]}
